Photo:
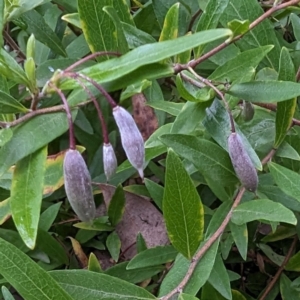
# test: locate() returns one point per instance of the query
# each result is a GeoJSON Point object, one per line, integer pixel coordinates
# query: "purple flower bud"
{"type": "Point", "coordinates": [109, 161]}
{"type": "Point", "coordinates": [78, 186]}
{"type": "Point", "coordinates": [242, 163]}
{"type": "Point", "coordinates": [132, 140]}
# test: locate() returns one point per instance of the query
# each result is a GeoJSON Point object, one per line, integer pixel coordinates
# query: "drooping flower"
{"type": "Point", "coordinates": [109, 161]}
{"type": "Point", "coordinates": [131, 138]}
{"type": "Point", "coordinates": [78, 186]}
{"type": "Point", "coordinates": [242, 163]}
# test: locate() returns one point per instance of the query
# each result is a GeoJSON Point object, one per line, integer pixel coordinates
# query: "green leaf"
{"type": "Point", "coordinates": [26, 195]}
{"type": "Point", "coordinates": [182, 207]}
{"type": "Point", "coordinates": [296, 25]}
{"type": "Point", "coordinates": [31, 136]}
{"type": "Point", "coordinates": [136, 37]}
{"type": "Point", "coordinates": [73, 19]}
{"type": "Point", "coordinates": [48, 216]}
{"type": "Point", "coordinates": [287, 180]}
{"type": "Point", "coordinates": [5, 211]}
{"type": "Point", "coordinates": [156, 192]}
{"type": "Point", "coordinates": [262, 209]}
{"type": "Point", "coordinates": [294, 263]}
{"type": "Point", "coordinates": [145, 55]}
{"type": "Point", "coordinates": [116, 206]}
{"type": "Point", "coordinates": [240, 237]}
{"type": "Point", "coordinates": [170, 27]}
{"type": "Point", "coordinates": [169, 107]}
{"type": "Point", "coordinates": [94, 264]}
{"type": "Point", "coordinates": [236, 66]}
{"type": "Point", "coordinates": [219, 278]}
{"type": "Point", "coordinates": [5, 135]}
{"type": "Point", "coordinates": [13, 11]}
{"type": "Point", "coordinates": [238, 27]}
{"type": "Point", "coordinates": [36, 25]}
{"type": "Point", "coordinates": [286, 109]}
{"type": "Point", "coordinates": [9, 105]}
{"type": "Point", "coordinates": [189, 116]}
{"type": "Point", "coordinates": [276, 194]}
{"type": "Point", "coordinates": [209, 19]}
{"type": "Point", "coordinates": [51, 247]}
{"type": "Point", "coordinates": [153, 257]}
{"type": "Point", "coordinates": [30, 280]}
{"type": "Point", "coordinates": [286, 290]}
{"type": "Point", "coordinates": [265, 91]}
{"type": "Point", "coordinates": [133, 276]}
{"type": "Point", "coordinates": [183, 296]}
{"type": "Point", "coordinates": [210, 159]}
{"type": "Point", "coordinates": [113, 244]}
{"type": "Point", "coordinates": [97, 26]}
{"type": "Point", "coordinates": [135, 88]}
{"type": "Point", "coordinates": [199, 276]}
{"type": "Point", "coordinates": [11, 69]}
{"type": "Point", "coordinates": [6, 293]}
{"type": "Point", "coordinates": [263, 34]}
{"type": "Point", "coordinates": [122, 45]}
{"type": "Point", "coordinates": [82, 284]}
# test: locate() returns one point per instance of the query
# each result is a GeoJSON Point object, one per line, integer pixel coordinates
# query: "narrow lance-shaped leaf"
{"type": "Point", "coordinates": [182, 207]}
{"type": "Point", "coordinates": [210, 159]}
{"type": "Point", "coordinates": [261, 35]}
{"type": "Point", "coordinates": [286, 109]}
{"type": "Point", "coordinates": [145, 55]}
{"type": "Point", "coordinates": [116, 206]}
{"type": "Point", "coordinates": [210, 18]}
{"type": "Point", "coordinates": [170, 27]}
{"type": "Point", "coordinates": [287, 180]}
{"type": "Point", "coordinates": [262, 209]}
{"type": "Point", "coordinates": [30, 280]}
{"type": "Point", "coordinates": [265, 91]}
{"type": "Point", "coordinates": [10, 105]}
{"type": "Point", "coordinates": [31, 136]}
{"type": "Point", "coordinates": [26, 195]}
{"type": "Point", "coordinates": [82, 284]}
{"type": "Point", "coordinates": [97, 26]}
{"type": "Point", "coordinates": [42, 31]}
{"type": "Point", "coordinates": [122, 45]}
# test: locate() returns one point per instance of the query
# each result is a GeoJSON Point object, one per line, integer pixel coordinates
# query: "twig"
{"type": "Point", "coordinates": [195, 62]}
{"type": "Point", "coordinates": [193, 19]}
{"type": "Point", "coordinates": [99, 111]}
{"type": "Point", "coordinates": [298, 75]}
{"type": "Point", "coordinates": [280, 270]}
{"type": "Point", "coordinates": [72, 144]}
{"type": "Point", "coordinates": [41, 111]}
{"type": "Point", "coordinates": [99, 87]}
{"type": "Point", "coordinates": [89, 57]}
{"type": "Point", "coordinates": [208, 83]}
{"type": "Point", "coordinates": [13, 44]}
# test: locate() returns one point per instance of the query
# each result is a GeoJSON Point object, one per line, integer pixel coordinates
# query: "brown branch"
{"type": "Point", "coordinates": [41, 111]}
{"type": "Point", "coordinates": [280, 270]}
{"type": "Point", "coordinates": [193, 19]}
{"type": "Point", "coordinates": [195, 62]}
{"type": "Point", "coordinates": [89, 57]}
{"type": "Point", "coordinates": [13, 44]}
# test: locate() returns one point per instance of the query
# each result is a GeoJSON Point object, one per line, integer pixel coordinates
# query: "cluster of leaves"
{"type": "Point", "coordinates": [202, 236]}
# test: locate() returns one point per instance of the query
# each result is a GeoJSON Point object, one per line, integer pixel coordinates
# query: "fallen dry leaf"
{"type": "Point", "coordinates": [140, 215]}
{"type": "Point", "coordinates": [144, 116]}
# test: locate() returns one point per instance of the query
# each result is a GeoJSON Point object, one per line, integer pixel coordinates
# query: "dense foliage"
{"type": "Point", "coordinates": [150, 149]}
